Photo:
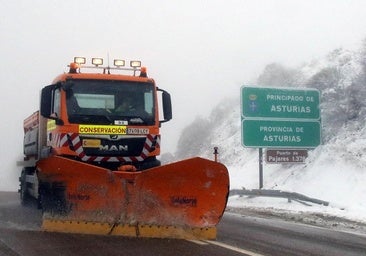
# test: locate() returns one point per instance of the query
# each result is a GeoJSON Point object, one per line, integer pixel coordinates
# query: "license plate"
{"type": "Point", "coordinates": [91, 143]}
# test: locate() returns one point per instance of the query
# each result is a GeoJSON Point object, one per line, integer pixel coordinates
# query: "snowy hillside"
{"type": "Point", "coordinates": [334, 171]}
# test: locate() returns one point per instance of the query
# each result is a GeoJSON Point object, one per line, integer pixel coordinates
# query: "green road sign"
{"type": "Point", "coordinates": [263, 102]}
{"type": "Point", "coordinates": [280, 133]}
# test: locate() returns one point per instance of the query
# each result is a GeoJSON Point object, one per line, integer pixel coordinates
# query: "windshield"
{"type": "Point", "coordinates": [110, 102]}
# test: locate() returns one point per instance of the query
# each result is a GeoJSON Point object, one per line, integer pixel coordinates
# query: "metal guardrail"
{"type": "Point", "coordinates": [277, 193]}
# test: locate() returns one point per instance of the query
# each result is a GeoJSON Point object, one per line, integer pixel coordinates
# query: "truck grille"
{"type": "Point", "coordinates": [121, 147]}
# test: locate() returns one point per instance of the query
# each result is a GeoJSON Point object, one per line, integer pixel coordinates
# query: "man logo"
{"type": "Point", "coordinates": [115, 148]}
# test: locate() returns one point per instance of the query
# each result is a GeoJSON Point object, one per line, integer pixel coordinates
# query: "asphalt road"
{"type": "Point", "coordinates": [237, 235]}
{"type": "Point", "coordinates": [20, 235]}
{"type": "Point", "coordinates": [279, 237]}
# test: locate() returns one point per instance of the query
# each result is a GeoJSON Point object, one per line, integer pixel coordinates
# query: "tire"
{"type": "Point", "coordinates": [23, 193]}
{"type": "Point", "coordinates": [42, 200]}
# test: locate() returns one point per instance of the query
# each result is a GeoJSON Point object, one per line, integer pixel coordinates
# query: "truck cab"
{"type": "Point", "coordinates": [97, 115]}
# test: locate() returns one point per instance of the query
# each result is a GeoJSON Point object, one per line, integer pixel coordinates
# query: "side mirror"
{"type": "Point", "coordinates": [46, 101]}
{"type": "Point", "coordinates": [167, 106]}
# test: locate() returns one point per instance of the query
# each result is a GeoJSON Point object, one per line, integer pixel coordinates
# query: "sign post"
{"type": "Point", "coordinates": [260, 168]}
{"type": "Point", "coordinates": [279, 118]}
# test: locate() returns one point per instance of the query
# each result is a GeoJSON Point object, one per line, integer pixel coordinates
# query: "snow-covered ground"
{"type": "Point", "coordinates": [334, 171]}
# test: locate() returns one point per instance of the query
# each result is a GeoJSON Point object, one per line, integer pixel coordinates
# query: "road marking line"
{"type": "Point", "coordinates": [235, 249]}
{"type": "Point", "coordinates": [199, 242]}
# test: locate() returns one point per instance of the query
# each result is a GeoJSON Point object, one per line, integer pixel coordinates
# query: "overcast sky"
{"type": "Point", "coordinates": [200, 51]}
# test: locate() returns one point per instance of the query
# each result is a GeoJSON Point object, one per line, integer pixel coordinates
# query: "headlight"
{"type": "Point", "coordinates": [97, 61]}
{"type": "Point", "coordinates": [119, 63]}
{"type": "Point", "coordinates": [79, 60]}
{"type": "Point", "coordinates": [135, 63]}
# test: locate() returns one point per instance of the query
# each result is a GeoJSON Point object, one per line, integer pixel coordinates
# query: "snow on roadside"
{"type": "Point", "coordinates": [335, 172]}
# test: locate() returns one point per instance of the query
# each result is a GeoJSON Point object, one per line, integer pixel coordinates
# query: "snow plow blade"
{"type": "Point", "coordinates": [185, 199]}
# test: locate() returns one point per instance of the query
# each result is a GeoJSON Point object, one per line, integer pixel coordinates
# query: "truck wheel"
{"type": "Point", "coordinates": [41, 201]}
{"type": "Point", "coordinates": [23, 193]}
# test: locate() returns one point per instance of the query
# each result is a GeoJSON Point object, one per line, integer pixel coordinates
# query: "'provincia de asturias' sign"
{"type": "Point", "coordinates": [281, 134]}
{"type": "Point", "coordinates": [280, 118]}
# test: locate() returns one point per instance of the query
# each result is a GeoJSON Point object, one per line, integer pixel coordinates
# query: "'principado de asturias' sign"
{"type": "Point", "coordinates": [261, 102]}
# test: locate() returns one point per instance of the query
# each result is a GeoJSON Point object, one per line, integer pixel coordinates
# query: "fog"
{"type": "Point", "coordinates": [200, 51]}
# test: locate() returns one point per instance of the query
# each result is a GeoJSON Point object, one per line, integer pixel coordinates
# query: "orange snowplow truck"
{"type": "Point", "coordinates": [90, 159]}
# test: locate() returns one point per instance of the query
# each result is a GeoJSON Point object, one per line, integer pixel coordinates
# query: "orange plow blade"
{"type": "Point", "coordinates": [185, 199]}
